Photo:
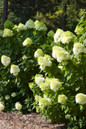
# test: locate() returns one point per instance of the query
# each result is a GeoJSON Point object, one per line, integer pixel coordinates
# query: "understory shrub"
{"type": "Point", "coordinates": [18, 65]}
{"type": "Point", "coordinates": [59, 88]}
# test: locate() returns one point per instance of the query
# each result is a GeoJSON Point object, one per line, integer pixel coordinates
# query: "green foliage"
{"type": "Point", "coordinates": [8, 24]}
{"type": "Point", "coordinates": [60, 86]}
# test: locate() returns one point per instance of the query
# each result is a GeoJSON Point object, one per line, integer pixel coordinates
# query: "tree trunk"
{"type": "Point", "coordinates": [28, 9]}
{"type": "Point", "coordinates": [5, 12]}
{"type": "Point", "coordinates": [63, 24]}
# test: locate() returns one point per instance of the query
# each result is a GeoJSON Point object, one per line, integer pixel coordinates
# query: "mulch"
{"type": "Point", "coordinates": [14, 120]}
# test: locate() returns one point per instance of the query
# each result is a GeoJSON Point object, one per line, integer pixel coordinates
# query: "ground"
{"type": "Point", "coordinates": [15, 120]}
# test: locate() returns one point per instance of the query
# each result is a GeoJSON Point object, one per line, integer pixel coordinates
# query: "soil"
{"type": "Point", "coordinates": [15, 120]}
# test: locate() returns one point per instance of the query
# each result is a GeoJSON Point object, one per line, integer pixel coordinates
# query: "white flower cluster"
{"type": "Point", "coordinates": [39, 79]}
{"type": "Point", "coordinates": [40, 26]}
{"type": "Point", "coordinates": [60, 54]}
{"type": "Point", "coordinates": [27, 42]}
{"type": "Point", "coordinates": [44, 102]}
{"type": "Point", "coordinates": [29, 24]}
{"type": "Point", "coordinates": [44, 61]}
{"type": "Point", "coordinates": [80, 98]}
{"type": "Point", "coordinates": [64, 36]}
{"type": "Point", "coordinates": [5, 60]}
{"type": "Point", "coordinates": [31, 85]}
{"type": "Point", "coordinates": [20, 27]}
{"type": "Point", "coordinates": [62, 99]}
{"type": "Point", "coordinates": [7, 33]}
{"type": "Point", "coordinates": [67, 37]}
{"type": "Point", "coordinates": [14, 70]}
{"type": "Point", "coordinates": [36, 23]}
{"type": "Point", "coordinates": [55, 84]}
{"type": "Point", "coordinates": [79, 48]}
{"type": "Point", "coordinates": [38, 53]}
{"type": "Point", "coordinates": [47, 83]}
{"type": "Point", "coordinates": [13, 94]}
{"type": "Point", "coordinates": [55, 50]}
{"type": "Point", "coordinates": [2, 107]}
{"type": "Point", "coordinates": [58, 35]}
{"type": "Point", "coordinates": [37, 97]}
{"type": "Point", "coordinates": [44, 86]}
{"type": "Point", "coordinates": [7, 97]}
{"type": "Point", "coordinates": [18, 106]}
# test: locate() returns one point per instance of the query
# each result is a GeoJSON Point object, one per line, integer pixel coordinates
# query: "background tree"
{"type": "Point", "coordinates": [63, 24]}
{"type": "Point", "coordinates": [5, 11]}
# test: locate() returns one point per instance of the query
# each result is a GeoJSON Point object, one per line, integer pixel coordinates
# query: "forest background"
{"type": "Point", "coordinates": [62, 14]}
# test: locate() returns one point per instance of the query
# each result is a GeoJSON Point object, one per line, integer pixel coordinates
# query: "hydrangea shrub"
{"type": "Point", "coordinates": [18, 65]}
{"type": "Point", "coordinates": [54, 67]}
{"type": "Point", "coordinates": [59, 88]}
